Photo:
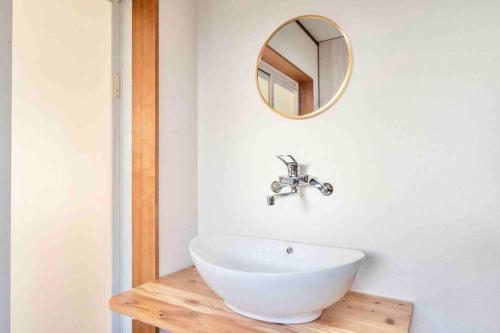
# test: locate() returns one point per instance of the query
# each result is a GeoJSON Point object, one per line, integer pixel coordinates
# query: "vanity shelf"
{"type": "Point", "coordinates": [183, 303]}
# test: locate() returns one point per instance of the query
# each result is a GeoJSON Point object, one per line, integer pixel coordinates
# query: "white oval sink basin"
{"type": "Point", "coordinates": [272, 280]}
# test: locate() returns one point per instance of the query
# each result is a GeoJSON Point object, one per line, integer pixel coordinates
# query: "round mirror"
{"type": "Point", "coordinates": [304, 66]}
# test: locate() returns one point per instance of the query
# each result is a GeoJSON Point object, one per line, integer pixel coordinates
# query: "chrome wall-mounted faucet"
{"type": "Point", "coordinates": [294, 180]}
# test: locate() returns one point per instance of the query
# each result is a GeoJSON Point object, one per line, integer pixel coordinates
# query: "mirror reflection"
{"type": "Point", "coordinates": [304, 67]}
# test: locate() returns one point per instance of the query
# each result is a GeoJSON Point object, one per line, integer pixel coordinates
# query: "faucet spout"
{"type": "Point", "coordinates": [272, 198]}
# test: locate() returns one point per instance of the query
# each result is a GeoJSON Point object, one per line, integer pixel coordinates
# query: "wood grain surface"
{"type": "Point", "coordinates": [183, 303]}
{"type": "Point", "coordinates": [144, 146]}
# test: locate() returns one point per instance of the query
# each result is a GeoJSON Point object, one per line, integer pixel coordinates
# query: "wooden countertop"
{"type": "Point", "coordinates": [183, 303]}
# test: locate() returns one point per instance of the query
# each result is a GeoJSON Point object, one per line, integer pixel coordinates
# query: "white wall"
{"type": "Point", "coordinates": [177, 203]}
{"type": "Point", "coordinates": [333, 64]}
{"type": "Point", "coordinates": [5, 149]}
{"type": "Point", "coordinates": [62, 166]}
{"type": "Point", "coordinates": [125, 323]}
{"type": "Point", "coordinates": [295, 45]}
{"type": "Point", "coordinates": [178, 123]}
{"type": "Point", "coordinates": [412, 148]}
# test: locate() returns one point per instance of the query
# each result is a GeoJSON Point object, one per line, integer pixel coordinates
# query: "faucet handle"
{"type": "Point", "coordinates": [290, 163]}
{"type": "Point", "coordinates": [325, 188]}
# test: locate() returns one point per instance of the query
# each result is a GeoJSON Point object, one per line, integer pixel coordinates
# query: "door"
{"type": "Point", "coordinates": [61, 166]}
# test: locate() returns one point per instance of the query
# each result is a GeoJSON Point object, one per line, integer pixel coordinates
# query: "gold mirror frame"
{"type": "Point", "coordinates": [339, 93]}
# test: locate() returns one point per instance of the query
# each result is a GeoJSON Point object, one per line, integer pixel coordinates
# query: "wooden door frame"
{"type": "Point", "coordinates": [285, 66]}
{"type": "Point", "coordinates": [144, 147]}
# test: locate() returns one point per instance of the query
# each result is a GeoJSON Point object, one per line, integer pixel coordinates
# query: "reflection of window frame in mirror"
{"type": "Point", "coordinates": [275, 77]}
{"type": "Point", "coordinates": [306, 90]}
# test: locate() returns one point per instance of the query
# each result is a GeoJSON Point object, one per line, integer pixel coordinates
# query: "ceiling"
{"type": "Point", "coordinates": [320, 29]}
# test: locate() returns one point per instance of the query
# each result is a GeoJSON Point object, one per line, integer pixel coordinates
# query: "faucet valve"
{"type": "Point", "coordinates": [293, 180]}
{"type": "Point", "coordinates": [276, 186]}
